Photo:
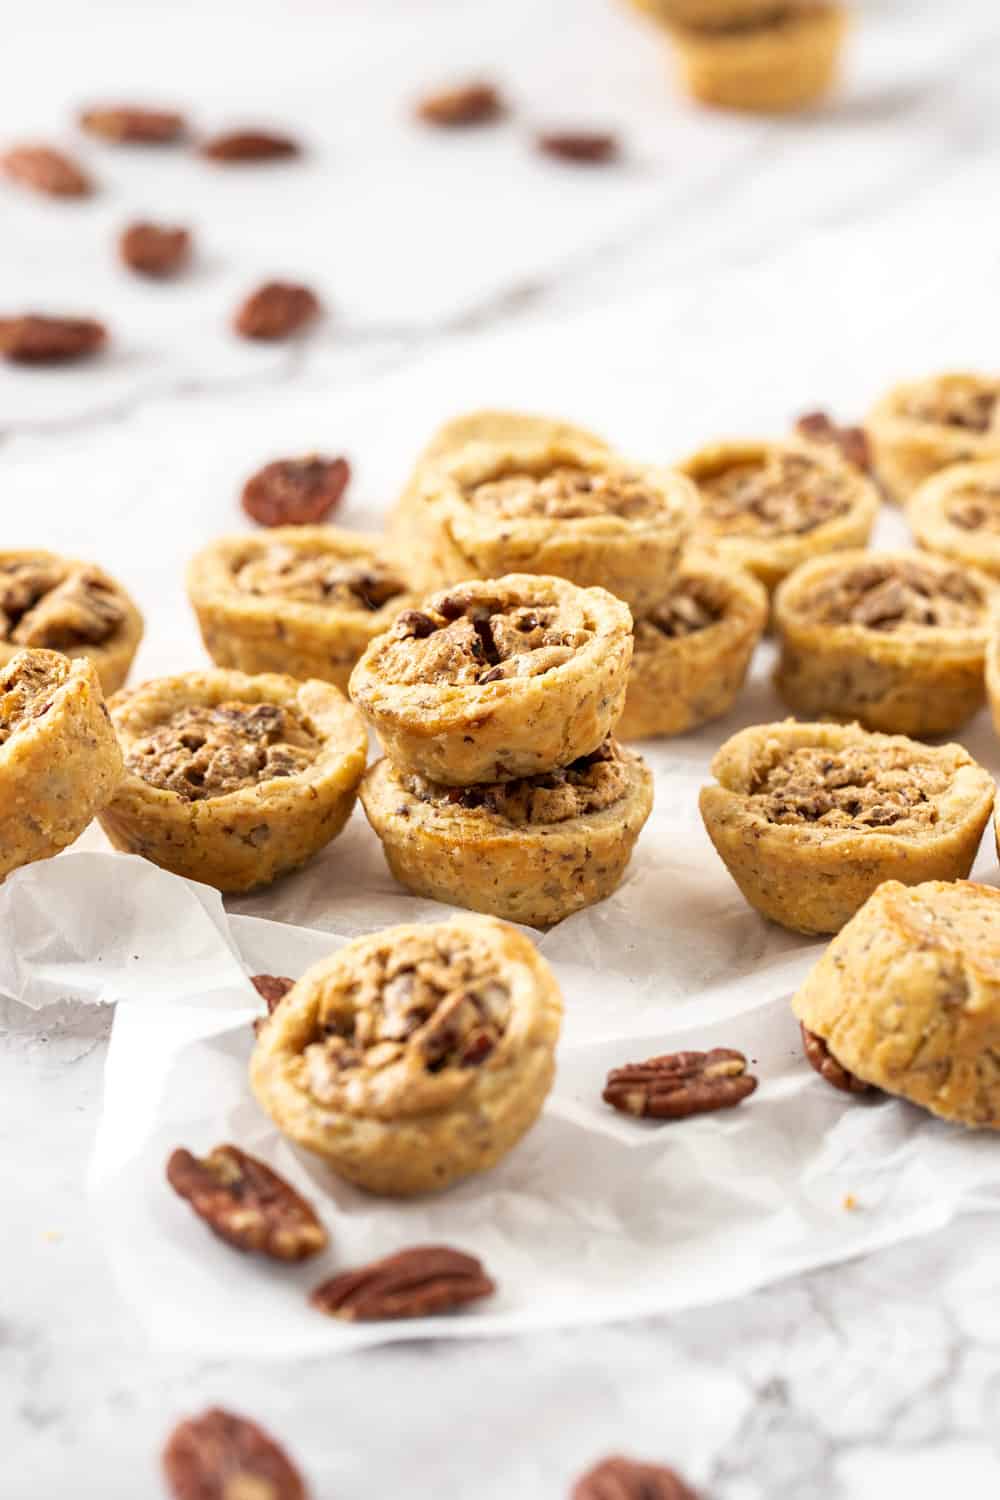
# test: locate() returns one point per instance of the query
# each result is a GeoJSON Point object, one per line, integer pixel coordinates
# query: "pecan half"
{"type": "Point", "coordinates": [154, 249]}
{"type": "Point", "coordinates": [241, 146]}
{"type": "Point", "coordinates": [246, 1204]}
{"type": "Point", "coordinates": [623, 1479]}
{"type": "Point", "coordinates": [819, 1056]}
{"type": "Point", "coordinates": [272, 988]}
{"type": "Point", "coordinates": [132, 125]}
{"type": "Point", "coordinates": [851, 442]}
{"type": "Point", "coordinates": [295, 491]}
{"type": "Point", "coordinates": [46, 171]}
{"type": "Point", "coordinates": [587, 147]}
{"type": "Point", "coordinates": [467, 104]}
{"type": "Point", "coordinates": [37, 340]}
{"type": "Point", "coordinates": [276, 310]}
{"type": "Point", "coordinates": [220, 1456]}
{"type": "Point", "coordinates": [415, 1283]}
{"type": "Point", "coordinates": [680, 1084]}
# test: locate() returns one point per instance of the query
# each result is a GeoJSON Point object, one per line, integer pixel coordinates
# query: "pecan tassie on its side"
{"type": "Point", "coordinates": [34, 339]}
{"type": "Point", "coordinates": [155, 249]}
{"type": "Point", "coordinates": [133, 125]}
{"type": "Point", "coordinates": [296, 491]}
{"type": "Point", "coordinates": [276, 310]}
{"type": "Point", "coordinates": [819, 1056]}
{"type": "Point", "coordinates": [466, 104]}
{"type": "Point", "coordinates": [246, 1204]}
{"type": "Point", "coordinates": [46, 171]}
{"type": "Point", "coordinates": [620, 1478]}
{"type": "Point", "coordinates": [585, 147]}
{"type": "Point", "coordinates": [417, 1283]}
{"type": "Point", "coordinates": [249, 146]}
{"type": "Point", "coordinates": [852, 442]}
{"type": "Point", "coordinates": [220, 1456]}
{"type": "Point", "coordinates": [679, 1084]}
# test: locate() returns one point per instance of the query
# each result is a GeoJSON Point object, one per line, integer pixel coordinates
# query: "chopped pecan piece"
{"type": "Point", "coordinates": [220, 1456]}
{"type": "Point", "coordinates": [587, 147]}
{"type": "Point", "coordinates": [625, 1479]}
{"type": "Point", "coordinates": [276, 310]}
{"type": "Point", "coordinates": [417, 1283]}
{"type": "Point", "coordinates": [246, 1204]}
{"type": "Point", "coordinates": [822, 1059]}
{"type": "Point", "coordinates": [680, 1084]}
{"type": "Point", "coordinates": [250, 145]}
{"type": "Point", "coordinates": [852, 442]}
{"type": "Point", "coordinates": [413, 622]}
{"type": "Point", "coordinates": [271, 988]}
{"type": "Point", "coordinates": [46, 171]}
{"type": "Point", "coordinates": [34, 339]}
{"type": "Point", "coordinates": [132, 125]}
{"type": "Point", "coordinates": [155, 249]}
{"type": "Point", "coordinates": [468, 104]}
{"type": "Point", "coordinates": [296, 491]}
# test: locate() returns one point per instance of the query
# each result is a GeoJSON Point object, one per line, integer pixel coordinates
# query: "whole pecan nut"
{"type": "Point", "coordinates": [851, 442]}
{"type": "Point", "coordinates": [131, 124]}
{"type": "Point", "coordinates": [415, 1283]}
{"type": "Point", "coordinates": [819, 1056]}
{"type": "Point", "coordinates": [246, 1204]}
{"type": "Point", "coordinates": [46, 171]}
{"type": "Point", "coordinates": [679, 1084]}
{"type": "Point", "coordinates": [276, 310]}
{"type": "Point", "coordinates": [296, 491]}
{"type": "Point", "coordinates": [154, 249]}
{"type": "Point", "coordinates": [624, 1479]}
{"type": "Point", "coordinates": [587, 147]}
{"type": "Point", "coordinates": [467, 104]}
{"type": "Point", "coordinates": [220, 1456]}
{"type": "Point", "coordinates": [37, 340]}
{"type": "Point", "coordinates": [249, 146]}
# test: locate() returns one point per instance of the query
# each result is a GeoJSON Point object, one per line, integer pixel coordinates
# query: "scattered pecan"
{"type": "Point", "coordinates": [219, 1456]}
{"type": "Point", "coordinates": [132, 125]}
{"type": "Point", "coordinates": [852, 442]}
{"type": "Point", "coordinates": [680, 1084]}
{"type": "Point", "coordinates": [624, 1479]}
{"type": "Point", "coordinates": [415, 1283]}
{"type": "Point", "coordinates": [276, 310]}
{"type": "Point", "coordinates": [271, 988]}
{"type": "Point", "coordinates": [37, 340]}
{"type": "Point", "coordinates": [467, 104]}
{"type": "Point", "coordinates": [588, 147]}
{"type": "Point", "coordinates": [154, 249]}
{"type": "Point", "coordinates": [47, 171]}
{"type": "Point", "coordinates": [246, 1204]}
{"type": "Point", "coordinates": [250, 145]}
{"type": "Point", "coordinates": [295, 491]}
{"type": "Point", "coordinates": [819, 1056]}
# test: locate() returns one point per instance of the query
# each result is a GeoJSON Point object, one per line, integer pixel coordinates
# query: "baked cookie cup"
{"type": "Point", "coordinates": [896, 640]}
{"type": "Point", "coordinates": [907, 998]}
{"type": "Point", "coordinates": [957, 514]}
{"type": "Point", "coordinates": [53, 603]}
{"type": "Point", "coordinates": [784, 60]}
{"type": "Point", "coordinates": [303, 600]}
{"type": "Point", "coordinates": [810, 818]}
{"type": "Point", "coordinates": [925, 425]}
{"type": "Point", "coordinates": [415, 1056]}
{"type": "Point", "coordinates": [768, 507]}
{"type": "Point", "coordinates": [710, 15]}
{"type": "Point", "coordinates": [691, 652]}
{"type": "Point", "coordinates": [59, 758]}
{"type": "Point", "coordinates": [233, 780]}
{"type": "Point", "coordinates": [491, 681]}
{"type": "Point", "coordinates": [531, 851]}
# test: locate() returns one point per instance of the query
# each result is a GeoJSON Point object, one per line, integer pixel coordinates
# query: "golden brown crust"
{"type": "Point", "coordinates": [810, 818]}
{"type": "Point", "coordinates": [785, 61]}
{"type": "Point", "coordinates": [907, 997]}
{"type": "Point", "coordinates": [249, 776]}
{"type": "Point", "coordinates": [414, 1056]}
{"type": "Point", "coordinates": [894, 639]}
{"type": "Point", "coordinates": [956, 514]}
{"type": "Point", "coordinates": [925, 425]}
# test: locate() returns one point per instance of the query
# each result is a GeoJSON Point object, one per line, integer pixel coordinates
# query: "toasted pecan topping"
{"type": "Point", "coordinates": [587, 785]}
{"type": "Point", "coordinates": [868, 787]}
{"type": "Point", "coordinates": [57, 606]}
{"type": "Point", "coordinates": [417, 1283]}
{"type": "Point", "coordinates": [207, 751]}
{"type": "Point", "coordinates": [315, 576]}
{"type": "Point", "coordinates": [976, 507]}
{"type": "Point", "coordinates": [246, 1203]}
{"type": "Point", "coordinates": [693, 605]}
{"type": "Point", "coordinates": [27, 689]}
{"type": "Point", "coordinates": [971, 405]}
{"type": "Point", "coordinates": [888, 594]}
{"type": "Point", "coordinates": [565, 492]}
{"type": "Point", "coordinates": [782, 494]}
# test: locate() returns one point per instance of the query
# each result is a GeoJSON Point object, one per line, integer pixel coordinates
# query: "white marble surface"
{"type": "Point", "coordinates": [728, 274]}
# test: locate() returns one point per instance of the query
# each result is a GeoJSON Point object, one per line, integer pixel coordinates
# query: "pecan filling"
{"type": "Point", "coordinates": [26, 690]}
{"type": "Point", "coordinates": [319, 578]}
{"type": "Point", "coordinates": [894, 594]}
{"type": "Point", "coordinates": [585, 786]}
{"type": "Point", "coordinates": [565, 493]}
{"type": "Point", "coordinates": [203, 752]}
{"type": "Point", "coordinates": [975, 509]}
{"type": "Point", "coordinates": [44, 605]}
{"type": "Point", "coordinates": [970, 407]}
{"type": "Point", "coordinates": [695, 605]}
{"type": "Point", "coordinates": [785, 494]}
{"type": "Point", "coordinates": [777, 15]}
{"type": "Point", "coordinates": [860, 787]}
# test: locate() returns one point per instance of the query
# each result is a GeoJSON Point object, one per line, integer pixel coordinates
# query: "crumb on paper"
{"type": "Point", "coordinates": [52, 1236]}
{"type": "Point", "coordinates": [850, 1203]}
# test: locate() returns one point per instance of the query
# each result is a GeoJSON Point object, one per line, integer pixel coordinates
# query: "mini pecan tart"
{"type": "Point", "coordinates": [782, 59]}
{"type": "Point", "coordinates": [692, 651]}
{"type": "Point", "coordinates": [233, 780]}
{"type": "Point", "coordinates": [59, 759]}
{"type": "Point", "coordinates": [896, 640]}
{"type": "Point", "coordinates": [305, 600]}
{"type": "Point", "coordinates": [926, 425]}
{"type": "Point", "coordinates": [770, 506]}
{"type": "Point", "coordinates": [494, 681]}
{"type": "Point", "coordinates": [907, 997]}
{"type": "Point", "coordinates": [56, 604]}
{"type": "Point", "coordinates": [531, 851]}
{"type": "Point", "coordinates": [957, 514]}
{"type": "Point", "coordinates": [810, 818]}
{"type": "Point", "coordinates": [414, 1056]}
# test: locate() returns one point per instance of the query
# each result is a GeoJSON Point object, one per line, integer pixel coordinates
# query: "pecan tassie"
{"type": "Point", "coordinates": [851, 442]}
{"type": "Point", "coordinates": [586, 147]}
{"type": "Point", "coordinates": [46, 171]}
{"type": "Point", "coordinates": [679, 1084]}
{"type": "Point", "coordinates": [246, 1204]}
{"type": "Point", "coordinates": [620, 1478]}
{"type": "Point", "coordinates": [417, 1283]}
{"type": "Point", "coordinates": [466, 104]}
{"type": "Point", "coordinates": [249, 146]}
{"type": "Point", "coordinates": [819, 1056]}
{"type": "Point", "coordinates": [220, 1456]}
{"type": "Point", "coordinates": [34, 339]}
{"type": "Point", "coordinates": [276, 310]}
{"type": "Point", "coordinates": [133, 125]}
{"type": "Point", "coordinates": [155, 249]}
{"type": "Point", "coordinates": [296, 491]}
